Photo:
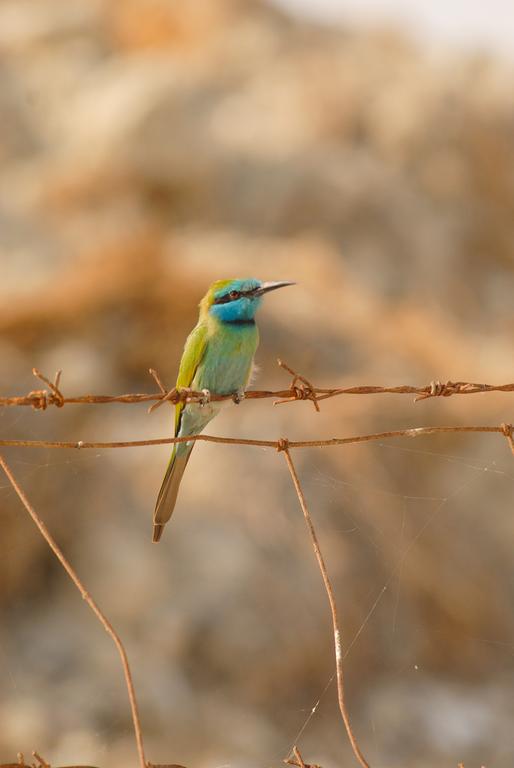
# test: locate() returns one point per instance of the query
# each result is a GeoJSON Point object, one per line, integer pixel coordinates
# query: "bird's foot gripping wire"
{"type": "Point", "coordinates": [238, 396]}
{"type": "Point", "coordinates": [205, 399]}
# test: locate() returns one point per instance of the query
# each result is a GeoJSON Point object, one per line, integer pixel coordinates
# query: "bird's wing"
{"type": "Point", "coordinates": [192, 356]}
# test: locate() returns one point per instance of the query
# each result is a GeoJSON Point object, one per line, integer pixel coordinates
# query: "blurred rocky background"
{"type": "Point", "coordinates": [148, 147]}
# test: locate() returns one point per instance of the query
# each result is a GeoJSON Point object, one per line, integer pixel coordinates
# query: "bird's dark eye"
{"type": "Point", "coordinates": [234, 294]}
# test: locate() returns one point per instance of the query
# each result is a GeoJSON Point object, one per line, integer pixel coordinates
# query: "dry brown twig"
{"type": "Point", "coordinates": [45, 533]}
{"type": "Point", "coordinates": [300, 389]}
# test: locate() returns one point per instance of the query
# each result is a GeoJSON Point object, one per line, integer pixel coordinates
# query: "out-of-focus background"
{"type": "Point", "coordinates": [148, 147]}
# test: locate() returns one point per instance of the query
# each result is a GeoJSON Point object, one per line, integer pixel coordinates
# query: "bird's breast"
{"type": "Point", "coordinates": [228, 359]}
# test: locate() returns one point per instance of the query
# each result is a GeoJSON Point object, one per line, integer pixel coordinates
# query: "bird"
{"type": "Point", "coordinates": [217, 359]}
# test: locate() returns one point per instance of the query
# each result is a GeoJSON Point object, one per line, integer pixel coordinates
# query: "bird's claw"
{"type": "Point", "coordinates": [206, 397]}
{"type": "Point", "coordinates": [238, 396]}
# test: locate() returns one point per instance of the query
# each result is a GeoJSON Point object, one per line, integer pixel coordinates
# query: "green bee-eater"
{"type": "Point", "coordinates": [218, 357]}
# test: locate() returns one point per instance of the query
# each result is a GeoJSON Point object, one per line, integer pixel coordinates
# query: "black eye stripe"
{"type": "Point", "coordinates": [232, 296]}
{"type": "Point", "coordinates": [225, 299]}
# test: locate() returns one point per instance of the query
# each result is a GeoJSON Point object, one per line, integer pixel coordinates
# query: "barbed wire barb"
{"type": "Point", "coordinates": [168, 396]}
{"type": "Point", "coordinates": [42, 762]}
{"type": "Point", "coordinates": [295, 758]}
{"type": "Point", "coordinates": [300, 389]}
{"type": "Point", "coordinates": [507, 430]}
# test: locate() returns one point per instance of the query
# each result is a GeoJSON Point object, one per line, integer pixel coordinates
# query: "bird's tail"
{"type": "Point", "coordinates": [169, 489]}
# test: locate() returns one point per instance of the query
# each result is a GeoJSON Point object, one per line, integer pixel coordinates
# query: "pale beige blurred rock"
{"type": "Point", "coordinates": [147, 148]}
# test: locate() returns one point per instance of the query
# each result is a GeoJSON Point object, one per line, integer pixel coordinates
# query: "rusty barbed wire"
{"type": "Point", "coordinates": [295, 758]}
{"type": "Point", "coordinates": [40, 763]}
{"type": "Point", "coordinates": [299, 389]}
{"type": "Point", "coordinates": [507, 430]}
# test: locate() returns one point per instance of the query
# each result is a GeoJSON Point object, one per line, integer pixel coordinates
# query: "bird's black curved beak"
{"type": "Point", "coordinates": [267, 287]}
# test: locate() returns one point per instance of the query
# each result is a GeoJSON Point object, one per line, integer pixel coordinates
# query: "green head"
{"type": "Point", "coordinates": [236, 301]}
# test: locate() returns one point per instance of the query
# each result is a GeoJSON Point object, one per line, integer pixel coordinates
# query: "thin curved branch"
{"type": "Point", "coordinates": [284, 447]}
{"type": "Point", "coordinates": [102, 618]}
